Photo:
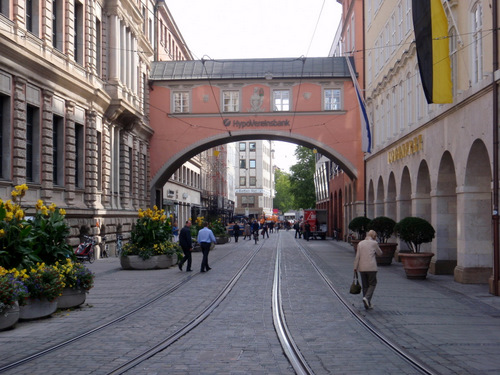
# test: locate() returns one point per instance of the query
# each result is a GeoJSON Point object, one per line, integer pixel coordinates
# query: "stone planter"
{"type": "Point", "coordinates": [37, 308]}
{"type": "Point", "coordinates": [388, 250]}
{"type": "Point", "coordinates": [222, 240]}
{"type": "Point", "coordinates": [416, 265]}
{"type": "Point", "coordinates": [134, 262]}
{"type": "Point", "coordinates": [9, 316]}
{"type": "Point", "coordinates": [71, 298]}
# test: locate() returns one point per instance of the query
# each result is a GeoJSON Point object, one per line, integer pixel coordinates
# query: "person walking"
{"type": "Point", "coordinates": [307, 231]}
{"type": "Point", "coordinates": [247, 232]}
{"type": "Point", "coordinates": [366, 263]}
{"type": "Point", "coordinates": [205, 239]}
{"type": "Point", "coordinates": [265, 230]}
{"type": "Point", "coordinates": [296, 226]}
{"type": "Point", "coordinates": [175, 231]}
{"type": "Point", "coordinates": [236, 231]}
{"type": "Point", "coordinates": [186, 243]}
{"type": "Point", "coordinates": [255, 230]}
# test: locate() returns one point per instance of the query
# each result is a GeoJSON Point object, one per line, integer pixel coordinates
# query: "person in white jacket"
{"type": "Point", "coordinates": [366, 263]}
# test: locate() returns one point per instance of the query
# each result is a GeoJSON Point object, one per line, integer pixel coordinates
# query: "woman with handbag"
{"type": "Point", "coordinates": [366, 263]}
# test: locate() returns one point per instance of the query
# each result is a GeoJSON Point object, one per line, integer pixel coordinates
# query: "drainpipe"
{"type": "Point", "coordinates": [496, 256]}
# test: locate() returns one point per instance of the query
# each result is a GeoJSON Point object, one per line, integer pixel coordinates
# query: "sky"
{"type": "Point", "coordinates": [236, 29]}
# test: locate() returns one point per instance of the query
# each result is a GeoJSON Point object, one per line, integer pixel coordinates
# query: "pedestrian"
{"type": "Point", "coordinates": [307, 230]}
{"type": "Point", "coordinates": [205, 239]}
{"type": "Point", "coordinates": [247, 231]}
{"type": "Point", "coordinates": [255, 230]}
{"type": "Point", "coordinates": [296, 226]}
{"type": "Point", "coordinates": [236, 231]}
{"type": "Point", "coordinates": [175, 231]}
{"type": "Point", "coordinates": [366, 263]}
{"type": "Point", "coordinates": [186, 243]}
{"type": "Point", "coordinates": [264, 230]}
{"type": "Point", "coordinates": [271, 227]}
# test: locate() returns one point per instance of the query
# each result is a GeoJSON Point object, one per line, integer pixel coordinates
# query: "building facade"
{"type": "Point", "coordinates": [255, 185]}
{"type": "Point", "coordinates": [74, 103]}
{"type": "Point", "coordinates": [434, 161]}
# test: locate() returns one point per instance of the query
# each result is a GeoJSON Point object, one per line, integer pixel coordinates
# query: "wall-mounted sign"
{"type": "Point", "coordinates": [406, 149]}
{"type": "Point", "coordinates": [255, 123]}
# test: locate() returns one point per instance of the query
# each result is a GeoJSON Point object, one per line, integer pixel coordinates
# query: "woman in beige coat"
{"type": "Point", "coordinates": [366, 263]}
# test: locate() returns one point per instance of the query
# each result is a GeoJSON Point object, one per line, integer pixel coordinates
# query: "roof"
{"type": "Point", "coordinates": [309, 67]}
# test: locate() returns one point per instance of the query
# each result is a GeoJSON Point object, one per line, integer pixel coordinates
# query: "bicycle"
{"type": "Point", "coordinates": [105, 249]}
{"type": "Point", "coordinates": [119, 239]}
{"type": "Point", "coordinates": [85, 251]}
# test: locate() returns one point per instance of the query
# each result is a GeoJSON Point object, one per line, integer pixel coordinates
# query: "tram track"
{"type": "Point", "coordinates": [407, 357]}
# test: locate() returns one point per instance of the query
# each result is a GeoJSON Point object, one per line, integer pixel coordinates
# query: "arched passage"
{"type": "Point", "coordinates": [474, 248]}
{"type": "Point", "coordinates": [379, 203]}
{"type": "Point", "coordinates": [390, 201]}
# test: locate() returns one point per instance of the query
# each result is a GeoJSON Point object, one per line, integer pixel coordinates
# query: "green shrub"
{"type": "Point", "coordinates": [384, 226]}
{"type": "Point", "coordinates": [360, 226]}
{"type": "Point", "coordinates": [414, 231]}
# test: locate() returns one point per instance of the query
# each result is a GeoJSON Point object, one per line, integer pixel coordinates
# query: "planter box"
{"type": "Point", "coordinates": [222, 240]}
{"type": "Point", "coordinates": [37, 308]}
{"type": "Point", "coordinates": [9, 316]}
{"type": "Point", "coordinates": [71, 298]}
{"type": "Point", "coordinates": [134, 262]}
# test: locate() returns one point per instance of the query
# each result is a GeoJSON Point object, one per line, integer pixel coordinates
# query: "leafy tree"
{"type": "Point", "coordinates": [302, 178]}
{"type": "Point", "coordinates": [283, 200]}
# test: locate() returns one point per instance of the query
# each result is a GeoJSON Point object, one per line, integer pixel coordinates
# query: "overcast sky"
{"type": "Point", "coordinates": [235, 29]}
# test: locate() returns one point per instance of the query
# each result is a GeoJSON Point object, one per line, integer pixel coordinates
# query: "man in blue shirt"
{"type": "Point", "coordinates": [205, 239]}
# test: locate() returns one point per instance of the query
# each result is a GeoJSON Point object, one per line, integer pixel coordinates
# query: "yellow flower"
{"type": "Point", "coordinates": [9, 216]}
{"type": "Point", "coordinates": [52, 207]}
{"type": "Point", "coordinates": [45, 211]}
{"type": "Point", "coordinates": [62, 211]}
{"type": "Point", "coordinates": [9, 206]}
{"type": "Point", "coordinates": [2, 233]}
{"type": "Point", "coordinates": [19, 214]}
{"type": "Point", "coordinates": [39, 205]}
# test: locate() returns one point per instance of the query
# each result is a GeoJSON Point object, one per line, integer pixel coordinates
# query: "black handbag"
{"type": "Point", "coordinates": [355, 287]}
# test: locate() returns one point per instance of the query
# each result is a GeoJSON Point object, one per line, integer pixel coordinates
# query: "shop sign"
{"type": "Point", "coordinates": [256, 123]}
{"type": "Point", "coordinates": [406, 149]}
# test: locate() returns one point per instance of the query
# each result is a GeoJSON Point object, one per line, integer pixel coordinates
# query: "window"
{"type": "Point", "coordinates": [32, 17]}
{"type": "Point", "coordinates": [243, 146]}
{"type": "Point", "coordinates": [252, 163]}
{"type": "Point", "coordinates": [253, 181]}
{"type": "Point", "coordinates": [4, 7]}
{"type": "Point", "coordinates": [332, 99]}
{"type": "Point", "coordinates": [98, 46]}
{"type": "Point", "coordinates": [57, 150]}
{"type": "Point", "coordinates": [243, 181]}
{"type": "Point", "coordinates": [252, 146]}
{"type": "Point", "coordinates": [231, 101]}
{"type": "Point", "coordinates": [181, 102]}
{"type": "Point", "coordinates": [32, 144]}
{"type": "Point", "coordinates": [79, 33]}
{"type": "Point", "coordinates": [79, 156]}
{"type": "Point", "coordinates": [247, 201]}
{"type": "Point", "coordinates": [243, 163]}
{"type": "Point", "coordinates": [57, 24]}
{"type": "Point", "coordinates": [281, 100]}
{"type": "Point", "coordinates": [477, 45]}
{"type": "Point", "coordinates": [4, 137]}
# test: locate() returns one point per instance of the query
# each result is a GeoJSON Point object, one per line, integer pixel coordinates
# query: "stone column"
{"type": "Point", "coordinates": [91, 199]}
{"type": "Point", "coordinates": [124, 168]}
{"type": "Point", "coordinates": [47, 179]}
{"type": "Point", "coordinates": [107, 128]}
{"type": "Point", "coordinates": [19, 135]}
{"type": "Point", "coordinates": [135, 174]}
{"type": "Point", "coordinates": [70, 153]}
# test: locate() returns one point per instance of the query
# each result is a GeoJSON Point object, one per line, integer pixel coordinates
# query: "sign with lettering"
{"type": "Point", "coordinates": [255, 123]}
{"type": "Point", "coordinates": [406, 149]}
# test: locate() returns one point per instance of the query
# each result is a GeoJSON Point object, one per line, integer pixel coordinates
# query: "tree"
{"type": "Point", "coordinates": [302, 178]}
{"type": "Point", "coordinates": [283, 200]}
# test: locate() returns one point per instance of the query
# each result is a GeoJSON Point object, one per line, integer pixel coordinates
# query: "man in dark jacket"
{"type": "Point", "coordinates": [236, 231]}
{"type": "Point", "coordinates": [187, 245]}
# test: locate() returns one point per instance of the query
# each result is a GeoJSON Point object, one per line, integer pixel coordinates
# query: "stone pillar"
{"type": "Point", "coordinates": [114, 48]}
{"type": "Point", "coordinates": [474, 247]}
{"type": "Point", "coordinates": [135, 174]}
{"type": "Point", "coordinates": [124, 168]}
{"type": "Point", "coordinates": [69, 29]}
{"type": "Point", "coordinates": [70, 153]}
{"type": "Point", "coordinates": [19, 135]}
{"type": "Point", "coordinates": [47, 179]}
{"type": "Point", "coordinates": [106, 164]}
{"type": "Point", "coordinates": [91, 169]}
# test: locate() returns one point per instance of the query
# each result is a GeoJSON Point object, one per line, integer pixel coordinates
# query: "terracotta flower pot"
{"type": "Point", "coordinates": [416, 265]}
{"type": "Point", "coordinates": [388, 250]}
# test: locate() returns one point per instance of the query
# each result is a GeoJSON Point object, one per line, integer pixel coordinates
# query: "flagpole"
{"type": "Point", "coordinates": [495, 218]}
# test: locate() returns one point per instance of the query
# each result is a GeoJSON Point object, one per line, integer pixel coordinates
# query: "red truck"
{"type": "Point", "coordinates": [318, 220]}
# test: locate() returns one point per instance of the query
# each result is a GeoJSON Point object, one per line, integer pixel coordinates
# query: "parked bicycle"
{"type": "Point", "coordinates": [119, 239]}
{"type": "Point", "coordinates": [86, 250]}
{"type": "Point", "coordinates": [104, 248]}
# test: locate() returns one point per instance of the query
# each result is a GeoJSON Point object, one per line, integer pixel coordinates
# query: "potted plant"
{"type": "Point", "coordinates": [415, 231]}
{"type": "Point", "coordinates": [44, 286]}
{"type": "Point", "coordinates": [384, 226]}
{"type": "Point", "coordinates": [77, 280]}
{"type": "Point", "coordinates": [220, 231]}
{"type": "Point", "coordinates": [12, 292]}
{"type": "Point", "coordinates": [150, 245]}
{"type": "Point", "coordinates": [359, 225]}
